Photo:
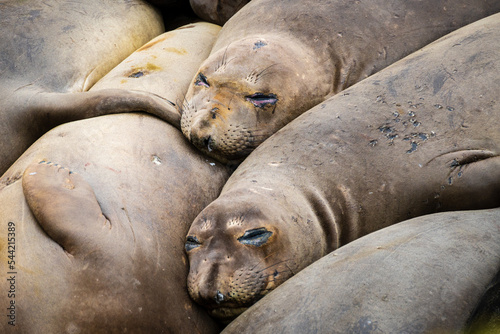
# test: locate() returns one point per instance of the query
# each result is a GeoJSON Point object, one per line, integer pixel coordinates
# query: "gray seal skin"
{"type": "Point", "coordinates": [217, 11]}
{"type": "Point", "coordinates": [418, 137]}
{"type": "Point", "coordinates": [99, 236]}
{"type": "Point", "coordinates": [52, 52]}
{"type": "Point", "coordinates": [424, 275]}
{"type": "Point", "coordinates": [274, 60]}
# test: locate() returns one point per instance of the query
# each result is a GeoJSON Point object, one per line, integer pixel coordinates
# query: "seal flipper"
{"type": "Point", "coordinates": [475, 175]}
{"type": "Point", "coordinates": [66, 107]}
{"type": "Point", "coordinates": [64, 205]}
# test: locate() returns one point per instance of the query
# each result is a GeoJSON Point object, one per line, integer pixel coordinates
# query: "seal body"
{"type": "Point", "coordinates": [217, 11]}
{"type": "Point", "coordinates": [417, 138]}
{"type": "Point", "coordinates": [159, 66]}
{"type": "Point", "coordinates": [424, 275]}
{"type": "Point", "coordinates": [51, 50]}
{"type": "Point", "coordinates": [76, 273]}
{"type": "Point", "coordinates": [274, 60]}
{"type": "Point", "coordinates": [145, 177]}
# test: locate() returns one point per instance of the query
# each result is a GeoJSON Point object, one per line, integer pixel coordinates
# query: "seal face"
{"type": "Point", "coordinates": [236, 257]}
{"type": "Point", "coordinates": [244, 93]}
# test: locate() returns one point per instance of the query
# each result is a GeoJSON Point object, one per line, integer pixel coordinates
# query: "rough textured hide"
{"type": "Point", "coordinates": [52, 51]}
{"type": "Point", "coordinates": [418, 137]}
{"type": "Point", "coordinates": [423, 275]}
{"type": "Point", "coordinates": [101, 250]}
{"type": "Point", "coordinates": [274, 60]}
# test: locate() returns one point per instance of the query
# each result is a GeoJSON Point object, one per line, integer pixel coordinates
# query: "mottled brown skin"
{"type": "Point", "coordinates": [101, 250]}
{"type": "Point", "coordinates": [424, 275]}
{"type": "Point", "coordinates": [274, 60]}
{"type": "Point", "coordinates": [217, 11]}
{"type": "Point", "coordinates": [52, 52]}
{"type": "Point", "coordinates": [419, 137]}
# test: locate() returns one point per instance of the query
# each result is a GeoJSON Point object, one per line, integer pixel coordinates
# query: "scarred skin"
{"type": "Point", "coordinates": [424, 275]}
{"type": "Point", "coordinates": [419, 137]}
{"type": "Point", "coordinates": [274, 60]}
{"type": "Point", "coordinates": [99, 237]}
{"type": "Point", "coordinates": [52, 52]}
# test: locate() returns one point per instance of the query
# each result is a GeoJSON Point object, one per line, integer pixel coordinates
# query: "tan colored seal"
{"type": "Point", "coordinates": [424, 275]}
{"type": "Point", "coordinates": [274, 60]}
{"type": "Point", "coordinates": [52, 51]}
{"type": "Point", "coordinates": [418, 137]}
{"type": "Point", "coordinates": [99, 242]}
{"type": "Point", "coordinates": [159, 66]}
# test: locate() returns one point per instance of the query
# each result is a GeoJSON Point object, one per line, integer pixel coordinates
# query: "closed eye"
{"type": "Point", "coordinates": [261, 100]}
{"type": "Point", "coordinates": [191, 243]}
{"type": "Point", "coordinates": [201, 80]}
{"type": "Point", "coordinates": [256, 237]}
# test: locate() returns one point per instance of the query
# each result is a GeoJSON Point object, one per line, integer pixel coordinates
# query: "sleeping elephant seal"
{"type": "Point", "coordinates": [51, 51]}
{"type": "Point", "coordinates": [217, 11]}
{"type": "Point", "coordinates": [424, 275]}
{"type": "Point", "coordinates": [418, 137]}
{"type": "Point", "coordinates": [274, 60]}
{"type": "Point", "coordinates": [103, 251]}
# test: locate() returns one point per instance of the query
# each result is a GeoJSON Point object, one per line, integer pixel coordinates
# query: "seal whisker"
{"type": "Point", "coordinates": [275, 273]}
{"type": "Point", "coordinates": [263, 259]}
{"type": "Point", "coordinates": [272, 266]}
{"type": "Point", "coordinates": [231, 100]}
{"type": "Point", "coordinates": [223, 61]}
{"type": "Point", "coordinates": [262, 73]}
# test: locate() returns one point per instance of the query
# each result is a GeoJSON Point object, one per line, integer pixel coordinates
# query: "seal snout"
{"type": "Point", "coordinates": [200, 132]}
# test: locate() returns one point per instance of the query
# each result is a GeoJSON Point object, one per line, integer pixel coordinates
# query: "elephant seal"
{"type": "Point", "coordinates": [217, 11]}
{"type": "Point", "coordinates": [424, 275]}
{"type": "Point", "coordinates": [52, 52]}
{"type": "Point", "coordinates": [159, 66]}
{"type": "Point", "coordinates": [274, 60]}
{"type": "Point", "coordinates": [100, 249]}
{"type": "Point", "coordinates": [419, 137]}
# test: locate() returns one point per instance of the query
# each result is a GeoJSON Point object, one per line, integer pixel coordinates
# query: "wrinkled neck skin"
{"type": "Point", "coordinates": [245, 92]}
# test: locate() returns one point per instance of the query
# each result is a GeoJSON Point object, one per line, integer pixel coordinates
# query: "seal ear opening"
{"type": "Point", "coordinates": [256, 237]}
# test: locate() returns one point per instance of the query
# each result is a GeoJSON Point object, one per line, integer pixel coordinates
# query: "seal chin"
{"type": "Point", "coordinates": [226, 314]}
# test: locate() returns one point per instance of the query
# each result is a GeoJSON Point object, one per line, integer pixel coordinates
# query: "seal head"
{"type": "Point", "coordinates": [244, 93]}
{"type": "Point", "coordinates": [239, 252]}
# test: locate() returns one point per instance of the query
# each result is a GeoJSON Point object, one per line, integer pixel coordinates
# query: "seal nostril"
{"type": "Point", "coordinates": [219, 297]}
{"type": "Point", "coordinates": [208, 143]}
